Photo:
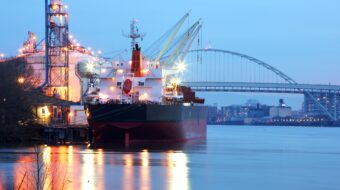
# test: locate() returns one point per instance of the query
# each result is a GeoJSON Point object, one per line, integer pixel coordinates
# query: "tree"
{"type": "Point", "coordinates": [15, 101]}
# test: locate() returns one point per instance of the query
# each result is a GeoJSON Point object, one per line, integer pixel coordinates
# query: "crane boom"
{"type": "Point", "coordinates": [185, 42]}
{"type": "Point", "coordinates": [172, 36]}
{"type": "Point", "coordinates": [195, 33]}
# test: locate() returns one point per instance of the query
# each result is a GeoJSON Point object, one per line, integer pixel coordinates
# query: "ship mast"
{"type": "Point", "coordinates": [134, 33]}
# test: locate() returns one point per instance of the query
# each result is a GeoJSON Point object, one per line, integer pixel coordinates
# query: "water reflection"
{"type": "Point", "coordinates": [77, 167]}
{"type": "Point", "coordinates": [145, 170]}
{"type": "Point", "coordinates": [23, 172]}
{"type": "Point", "coordinates": [70, 155]}
{"type": "Point", "coordinates": [88, 170]}
{"type": "Point", "coordinates": [46, 155]}
{"type": "Point", "coordinates": [128, 178]}
{"type": "Point", "coordinates": [2, 180]}
{"type": "Point", "coordinates": [178, 171]}
{"type": "Point", "coordinates": [100, 169]}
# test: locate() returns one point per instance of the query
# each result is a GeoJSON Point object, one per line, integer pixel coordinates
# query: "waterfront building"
{"type": "Point", "coordinates": [280, 112]}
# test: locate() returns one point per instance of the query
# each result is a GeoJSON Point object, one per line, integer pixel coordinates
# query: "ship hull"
{"type": "Point", "coordinates": [114, 123]}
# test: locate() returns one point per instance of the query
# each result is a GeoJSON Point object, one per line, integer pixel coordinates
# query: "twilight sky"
{"type": "Point", "coordinates": [299, 37]}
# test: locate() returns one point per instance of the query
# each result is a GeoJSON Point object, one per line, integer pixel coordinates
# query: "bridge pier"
{"type": "Point", "coordinates": [328, 99]}
{"type": "Point", "coordinates": [335, 106]}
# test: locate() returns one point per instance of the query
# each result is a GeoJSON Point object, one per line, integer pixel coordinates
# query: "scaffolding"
{"type": "Point", "coordinates": [57, 51]}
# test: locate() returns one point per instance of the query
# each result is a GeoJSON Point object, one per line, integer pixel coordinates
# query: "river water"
{"type": "Point", "coordinates": [233, 157]}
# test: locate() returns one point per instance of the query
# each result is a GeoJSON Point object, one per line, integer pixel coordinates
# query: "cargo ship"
{"type": "Point", "coordinates": [138, 103]}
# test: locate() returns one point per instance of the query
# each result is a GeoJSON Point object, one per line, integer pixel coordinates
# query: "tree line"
{"type": "Point", "coordinates": [17, 86]}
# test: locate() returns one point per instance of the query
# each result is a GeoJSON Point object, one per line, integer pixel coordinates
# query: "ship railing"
{"type": "Point", "coordinates": [139, 102]}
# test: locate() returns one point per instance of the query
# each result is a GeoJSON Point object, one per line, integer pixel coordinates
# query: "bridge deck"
{"type": "Point", "coordinates": [262, 87]}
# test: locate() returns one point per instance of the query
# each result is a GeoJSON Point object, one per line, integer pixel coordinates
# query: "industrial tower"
{"type": "Point", "coordinates": [57, 51]}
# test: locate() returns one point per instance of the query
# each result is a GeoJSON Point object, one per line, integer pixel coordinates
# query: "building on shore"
{"type": "Point", "coordinates": [281, 111]}
{"type": "Point", "coordinates": [253, 112]}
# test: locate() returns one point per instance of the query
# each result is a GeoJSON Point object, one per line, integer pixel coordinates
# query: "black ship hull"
{"type": "Point", "coordinates": [133, 123]}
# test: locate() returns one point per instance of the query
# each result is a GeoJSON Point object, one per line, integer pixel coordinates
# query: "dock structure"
{"type": "Point", "coordinates": [63, 122]}
{"type": "Point", "coordinates": [66, 135]}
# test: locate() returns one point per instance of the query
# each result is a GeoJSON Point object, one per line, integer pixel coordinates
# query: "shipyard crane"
{"type": "Point", "coordinates": [182, 45]}
{"type": "Point", "coordinates": [153, 52]}
{"type": "Point", "coordinates": [173, 64]}
{"type": "Point", "coordinates": [172, 54]}
{"type": "Point", "coordinates": [175, 47]}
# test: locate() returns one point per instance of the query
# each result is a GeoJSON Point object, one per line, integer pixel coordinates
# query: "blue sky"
{"type": "Point", "coordinates": [300, 37]}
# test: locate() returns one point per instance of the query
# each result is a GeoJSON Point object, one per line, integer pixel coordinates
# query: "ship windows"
{"type": "Point", "coordinates": [119, 83]}
{"type": "Point", "coordinates": [140, 83]}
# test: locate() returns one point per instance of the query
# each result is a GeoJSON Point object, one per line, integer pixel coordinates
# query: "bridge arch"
{"type": "Point", "coordinates": [199, 62]}
{"type": "Point", "coordinates": [252, 59]}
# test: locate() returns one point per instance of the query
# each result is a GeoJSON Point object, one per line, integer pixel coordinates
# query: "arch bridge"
{"type": "Point", "coordinates": [222, 70]}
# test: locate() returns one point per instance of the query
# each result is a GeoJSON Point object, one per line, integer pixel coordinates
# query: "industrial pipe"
{"type": "Point", "coordinates": [46, 46]}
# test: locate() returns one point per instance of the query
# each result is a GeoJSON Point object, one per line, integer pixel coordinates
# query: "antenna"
{"type": "Point", "coordinates": [134, 33]}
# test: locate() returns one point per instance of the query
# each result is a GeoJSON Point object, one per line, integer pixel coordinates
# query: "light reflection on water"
{"type": "Point", "coordinates": [74, 167]}
{"type": "Point", "coordinates": [235, 157]}
{"type": "Point", "coordinates": [88, 170]}
{"type": "Point", "coordinates": [2, 180]}
{"type": "Point", "coordinates": [128, 172]}
{"type": "Point", "coordinates": [178, 171]}
{"type": "Point", "coordinates": [145, 171]}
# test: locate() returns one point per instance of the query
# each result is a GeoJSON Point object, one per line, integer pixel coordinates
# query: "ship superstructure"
{"type": "Point", "coordinates": [131, 81]}
{"type": "Point", "coordinates": [145, 79]}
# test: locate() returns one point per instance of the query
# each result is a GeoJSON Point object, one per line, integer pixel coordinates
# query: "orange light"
{"type": "Point", "coordinates": [112, 88]}
{"type": "Point", "coordinates": [169, 86]}
{"type": "Point", "coordinates": [21, 80]}
{"type": "Point", "coordinates": [54, 7]}
{"type": "Point", "coordinates": [120, 71]}
{"type": "Point", "coordinates": [145, 71]}
{"type": "Point", "coordinates": [144, 96]}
